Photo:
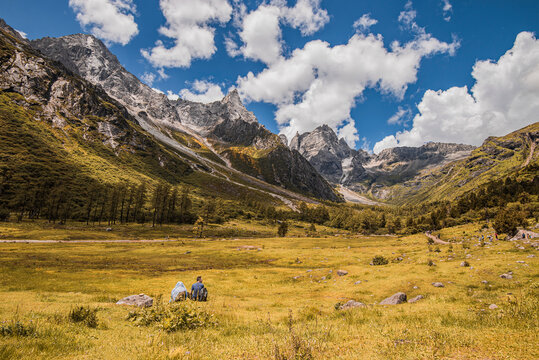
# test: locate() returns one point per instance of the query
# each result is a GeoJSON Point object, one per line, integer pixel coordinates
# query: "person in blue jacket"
{"type": "Point", "coordinates": [196, 288]}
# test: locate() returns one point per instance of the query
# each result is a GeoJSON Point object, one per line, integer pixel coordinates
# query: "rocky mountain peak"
{"type": "Point", "coordinates": [4, 26]}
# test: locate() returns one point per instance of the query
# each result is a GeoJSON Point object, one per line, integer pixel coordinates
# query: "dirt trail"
{"type": "Point", "coordinates": [530, 155]}
{"type": "Point", "coordinates": [436, 239]}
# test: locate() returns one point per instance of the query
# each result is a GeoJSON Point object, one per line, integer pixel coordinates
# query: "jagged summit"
{"type": "Point", "coordinates": [224, 127]}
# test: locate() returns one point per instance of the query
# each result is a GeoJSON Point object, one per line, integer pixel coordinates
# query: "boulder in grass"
{"type": "Point", "coordinates": [351, 304]}
{"type": "Point", "coordinates": [395, 299]}
{"type": "Point", "coordinates": [416, 299]}
{"type": "Point", "coordinates": [493, 307]}
{"type": "Point", "coordinates": [437, 284]}
{"type": "Point", "coordinates": [342, 272]}
{"type": "Point", "coordinates": [140, 300]}
{"type": "Point", "coordinates": [506, 276]}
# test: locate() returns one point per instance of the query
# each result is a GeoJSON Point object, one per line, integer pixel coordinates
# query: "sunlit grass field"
{"type": "Point", "coordinates": [278, 300]}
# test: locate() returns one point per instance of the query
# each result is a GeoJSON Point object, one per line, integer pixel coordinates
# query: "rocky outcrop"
{"type": "Point", "coordinates": [140, 300]}
{"type": "Point", "coordinates": [331, 156]}
{"type": "Point", "coordinates": [394, 299]}
{"type": "Point", "coordinates": [222, 125]}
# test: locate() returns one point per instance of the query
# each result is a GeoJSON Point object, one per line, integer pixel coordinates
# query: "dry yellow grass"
{"type": "Point", "coordinates": [264, 312]}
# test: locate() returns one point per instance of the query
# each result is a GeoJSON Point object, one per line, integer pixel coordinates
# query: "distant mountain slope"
{"type": "Point", "coordinates": [223, 132]}
{"type": "Point", "coordinates": [357, 170]}
{"type": "Point", "coordinates": [513, 155]}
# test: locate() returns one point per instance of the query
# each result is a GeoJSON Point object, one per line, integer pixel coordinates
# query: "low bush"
{"type": "Point", "coordinates": [379, 260]}
{"type": "Point", "coordinates": [173, 317]}
{"type": "Point", "coordinates": [84, 315]}
{"type": "Point", "coordinates": [17, 328]}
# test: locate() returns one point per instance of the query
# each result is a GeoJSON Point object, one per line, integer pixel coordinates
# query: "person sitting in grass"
{"type": "Point", "coordinates": [198, 291]}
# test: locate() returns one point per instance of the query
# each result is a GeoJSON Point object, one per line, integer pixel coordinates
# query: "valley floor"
{"type": "Point", "coordinates": [274, 298]}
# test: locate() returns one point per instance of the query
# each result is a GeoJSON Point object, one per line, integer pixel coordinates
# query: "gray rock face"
{"type": "Point", "coordinates": [342, 272]}
{"type": "Point", "coordinates": [351, 304]}
{"type": "Point", "coordinates": [416, 299]}
{"type": "Point", "coordinates": [333, 158]}
{"type": "Point", "coordinates": [140, 300]}
{"type": "Point", "coordinates": [227, 122]}
{"type": "Point", "coordinates": [395, 299]}
{"type": "Point", "coordinates": [340, 164]}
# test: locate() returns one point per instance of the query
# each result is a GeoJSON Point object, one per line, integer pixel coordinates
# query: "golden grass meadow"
{"type": "Point", "coordinates": [273, 298]}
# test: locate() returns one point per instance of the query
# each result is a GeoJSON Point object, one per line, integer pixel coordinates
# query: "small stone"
{"type": "Point", "coordinates": [296, 277]}
{"type": "Point", "coordinates": [187, 252]}
{"type": "Point", "coordinates": [309, 270]}
{"type": "Point", "coordinates": [521, 262]}
{"type": "Point", "coordinates": [342, 272]}
{"type": "Point", "coordinates": [437, 284]}
{"type": "Point", "coordinates": [416, 299]}
{"type": "Point", "coordinates": [530, 256]}
{"type": "Point", "coordinates": [357, 282]}
{"type": "Point", "coordinates": [506, 276]}
{"type": "Point", "coordinates": [468, 256]}
{"type": "Point", "coordinates": [323, 278]}
{"type": "Point", "coordinates": [493, 307]}
{"type": "Point", "coordinates": [108, 229]}
{"type": "Point", "coordinates": [521, 248]}
{"type": "Point", "coordinates": [351, 304]}
{"type": "Point", "coordinates": [139, 300]}
{"type": "Point", "coordinates": [464, 264]}
{"type": "Point", "coordinates": [484, 282]}
{"type": "Point", "coordinates": [416, 287]}
{"type": "Point", "coordinates": [394, 299]}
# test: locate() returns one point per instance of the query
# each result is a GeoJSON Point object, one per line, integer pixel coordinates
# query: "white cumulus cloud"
{"type": "Point", "coordinates": [401, 117]}
{"type": "Point", "coordinates": [110, 20]}
{"type": "Point", "coordinates": [448, 9]}
{"type": "Point", "coordinates": [202, 91]}
{"type": "Point", "coordinates": [306, 15]}
{"type": "Point", "coordinates": [260, 30]}
{"type": "Point", "coordinates": [148, 78]}
{"type": "Point", "coordinates": [364, 22]}
{"type": "Point", "coordinates": [504, 98]}
{"type": "Point", "coordinates": [319, 84]}
{"type": "Point", "coordinates": [189, 25]}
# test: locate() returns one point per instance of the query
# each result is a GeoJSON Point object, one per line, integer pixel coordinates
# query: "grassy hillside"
{"type": "Point", "coordinates": [497, 158]}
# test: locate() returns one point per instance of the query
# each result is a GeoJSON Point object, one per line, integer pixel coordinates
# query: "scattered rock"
{"type": "Point", "coordinates": [357, 282]}
{"type": "Point", "coordinates": [309, 270]}
{"type": "Point", "coordinates": [395, 299]}
{"type": "Point", "coordinates": [468, 256]}
{"type": "Point", "coordinates": [416, 287]}
{"type": "Point", "coordinates": [484, 282]}
{"type": "Point", "coordinates": [140, 300]}
{"type": "Point", "coordinates": [296, 277]}
{"type": "Point", "coordinates": [351, 304]}
{"type": "Point", "coordinates": [437, 284]}
{"type": "Point", "coordinates": [521, 248]}
{"type": "Point", "coordinates": [416, 299]}
{"type": "Point", "coordinates": [521, 262]}
{"type": "Point", "coordinates": [530, 256]}
{"type": "Point", "coordinates": [188, 252]}
{"type": "Point", "coordinates": [342, 272]}
{"type": "Point", "coordinates": [464, 264]}
{"type": "Point", "coordinates": [506, 276]}
{"type": "Point", "coordinates": [493, 307]}
{"type": "Point", "coordinates": [108, 229]}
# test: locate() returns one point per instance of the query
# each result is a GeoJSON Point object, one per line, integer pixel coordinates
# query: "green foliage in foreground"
{"type": "Point", "coordinates": [172, 317]}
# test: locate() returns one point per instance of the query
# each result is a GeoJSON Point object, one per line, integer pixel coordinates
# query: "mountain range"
{"type": "Point", "coordinates": [90, 114]}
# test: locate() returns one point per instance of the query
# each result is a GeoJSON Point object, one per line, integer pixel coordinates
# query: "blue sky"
{"type": "Point", "coordinates": [374, 104]}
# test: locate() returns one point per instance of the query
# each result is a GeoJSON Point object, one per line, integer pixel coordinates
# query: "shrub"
{"type": "Point", "coordinates": [84, 315]}
{"type": "Point", "coordinates": [4, 214]}
{"type": "Point", "coordinates": [17, 328]}
{"type": "Point", "coordinates": [283, 229]}
{"type": "Point", "coordinates": [172, 317]}
{"type": "Point", "coordinates": [507, 221]}
{"type": "Point", "coordinates": [379, 260]}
